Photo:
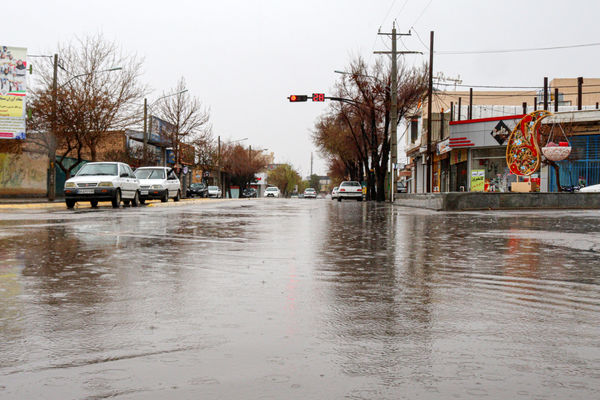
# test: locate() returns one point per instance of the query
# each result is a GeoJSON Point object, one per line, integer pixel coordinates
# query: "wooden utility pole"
{"type": "Point", "coordinates": [470, 113]}
{"type": "Point", "coordinates": [394, 104]}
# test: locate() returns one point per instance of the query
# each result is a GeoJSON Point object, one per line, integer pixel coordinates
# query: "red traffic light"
{"type": "Point", "coordinates": [297, 97]}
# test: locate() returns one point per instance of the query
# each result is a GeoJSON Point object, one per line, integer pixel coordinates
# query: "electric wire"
{"type": "Point", "coordinates": [516, 50]}
{"type": "Point", "coordinates": [422, 12]}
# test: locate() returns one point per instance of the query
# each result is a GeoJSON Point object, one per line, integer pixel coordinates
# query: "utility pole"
{"type": "Point", "coordinates": [219, 162]}
{"type": "Point", "coordinates": [394, 104]}
{"type": "Point", "coordinates": [52, 136]}
{"type": "Point", "coordinates": [145, 129]}
{"type": "Point", "coordinates": [430, 97]}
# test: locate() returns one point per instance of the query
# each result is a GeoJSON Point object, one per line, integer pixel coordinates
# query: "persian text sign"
{"type": "Point", "coordinates": [13, 88]}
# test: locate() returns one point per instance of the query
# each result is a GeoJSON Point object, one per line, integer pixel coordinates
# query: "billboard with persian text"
{"type": "Point", "coordinates": [13, 90]}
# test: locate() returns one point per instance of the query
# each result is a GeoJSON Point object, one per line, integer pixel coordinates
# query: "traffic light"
{"type": "Point", "coordinates": [297, 97]}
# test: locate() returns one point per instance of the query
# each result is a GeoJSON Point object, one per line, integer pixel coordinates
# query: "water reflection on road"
{"type": "Point", "coordinates": [298, 299]}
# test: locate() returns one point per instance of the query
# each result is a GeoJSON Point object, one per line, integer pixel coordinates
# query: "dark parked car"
{"type": "Point", "coordinates": [197, 190]}
{"type": "Point", "coordinates": [249, 192]}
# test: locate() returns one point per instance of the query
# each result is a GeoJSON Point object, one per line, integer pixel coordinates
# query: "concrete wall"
{"type": "Point", "coordinates": [23, 174]}
{"type": "Point", "coordinates": [499, 201]}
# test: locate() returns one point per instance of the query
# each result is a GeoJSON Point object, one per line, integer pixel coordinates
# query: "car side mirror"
{"type": "Point", "coordinates": [124, 175]}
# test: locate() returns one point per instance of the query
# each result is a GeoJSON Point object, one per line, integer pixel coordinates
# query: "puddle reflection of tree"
{"type": "Point", "coordinates": [381, 304]}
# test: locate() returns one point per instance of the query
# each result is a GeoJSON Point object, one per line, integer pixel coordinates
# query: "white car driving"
{"type": "Point", "coordinates": [334, 193]}
{"type": "Point", "coordinates": [158, 183]}
{"type": "Point", "coordinates": [310, 193]}
{"type": "Point", "coordinates": [350, 190]}
{"type": "Point", "coordinates": [103, 181]}
{"type": "Point", "coordinates": [272, 191]}
{"type": "Point", "coordinates": [214, 191]}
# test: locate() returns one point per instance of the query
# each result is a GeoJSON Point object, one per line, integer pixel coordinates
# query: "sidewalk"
{"type": "Point", "coordinates": [29, 200]}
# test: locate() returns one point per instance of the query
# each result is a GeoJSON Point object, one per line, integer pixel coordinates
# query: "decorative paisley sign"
{"type": "Point", "coordinates": [522, 151]}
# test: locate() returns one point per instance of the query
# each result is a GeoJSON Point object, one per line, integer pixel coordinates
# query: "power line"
{"type": "Point", "coordinates": [388, 12]}
{"type": "Point", "coordinates": [419, 37]}
{"type": "Point", "coordinates": [516, 50]}
{"type": "Point", "coordinates": [422, 12]}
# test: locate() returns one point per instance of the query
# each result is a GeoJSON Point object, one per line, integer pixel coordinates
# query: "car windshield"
{"type": "Point", "coordinates": [272, 189]}
{"type": "Point", "coordinates": [98, 169]}
{"type": "Point", "coordinates": [213, 188]}
{"type": "Point", "coordinates": [150, 173]}
{"type": "Point", "coordinates": [197, 185]}
{"type": "Point", "coordinates": [350, 183]}
{"type": "Point", "coordinates": [309, 190]}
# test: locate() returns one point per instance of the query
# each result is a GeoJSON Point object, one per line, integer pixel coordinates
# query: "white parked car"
{"type": "Point", "coordinates": [310, 193]}
{"type": "Point", "coordinates": [334, 193]}
{"type": "Point", "coordinates": [103, 181]}
{"type": "Point", "coordinates": [158, 183]}
{"type": "Point", "coordinates": [214, 191]}
{"type": "Point", "coordinates": [590, 189]}
{"type": "Point", "coordinates": [272, 191]}
{"type": "Point", "coordinates": [350, 190]}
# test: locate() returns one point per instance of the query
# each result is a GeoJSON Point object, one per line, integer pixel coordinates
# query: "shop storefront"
{"type": "Point", "coordinates": [478, 157]}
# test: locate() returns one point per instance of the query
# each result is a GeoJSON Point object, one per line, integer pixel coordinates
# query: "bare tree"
{"type": "Point", "coordinates": [97, 88]}
{"type": "Point", "coordinates": [365, 106]}
{"type": "Point", "coordinates": [189, 118]}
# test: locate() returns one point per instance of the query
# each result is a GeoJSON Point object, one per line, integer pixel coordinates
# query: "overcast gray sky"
{"type": "Point", "coordinates": [242, 58]}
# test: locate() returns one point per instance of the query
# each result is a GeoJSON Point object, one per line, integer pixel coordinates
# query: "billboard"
{"type": "Point", "coordinates": [13, 88]}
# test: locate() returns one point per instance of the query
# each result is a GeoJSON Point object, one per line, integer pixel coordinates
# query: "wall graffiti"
{"type": "Point", "coordinates": [22, 174]}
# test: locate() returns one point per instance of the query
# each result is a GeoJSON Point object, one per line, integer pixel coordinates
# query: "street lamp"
{"type": "Point", "coordinates": [146, 106]}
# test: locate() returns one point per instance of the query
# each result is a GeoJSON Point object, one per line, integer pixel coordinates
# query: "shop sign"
{"type": "Point", "coordinates": [458, 156]}
{"type": "Point", "coordinates": [477, 180]}
{"type": "Point", "coordinates": [487, 132]}
{"type": "Point", "coordinates": [443, 146]}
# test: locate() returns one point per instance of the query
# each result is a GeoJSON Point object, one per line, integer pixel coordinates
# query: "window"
{"type": "Point", "coordinates": [98, 169]}
{"type": "Point", "coordinates": [414, 130]}
{"type": "Point", "coordinates": [150, 173]}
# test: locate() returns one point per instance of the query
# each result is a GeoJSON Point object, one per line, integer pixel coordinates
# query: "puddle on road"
{"type": "Point", "coordinates": [300, 299]}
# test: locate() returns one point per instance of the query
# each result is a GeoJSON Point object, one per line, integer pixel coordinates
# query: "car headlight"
{"type": "Point", "coordinates": [70, 185]}
{"type": "Point", "coordinates": [157, 186]}
{"type": "Point", "coordinates": [105, 184]}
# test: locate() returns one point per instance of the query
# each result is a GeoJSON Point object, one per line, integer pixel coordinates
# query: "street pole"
{"type": "Point", "coordinates": [219, 162]}
{"type": "Point", "coordinates": [145, 129]}
{"type": "Point", "coordinates": [52, 136]}
{"type": "Point", "coordinates": [394, 116]}
{"type": "Point", "coordinates": [394, 104]}
{"type": "Point", "coordinates": [430, 96]}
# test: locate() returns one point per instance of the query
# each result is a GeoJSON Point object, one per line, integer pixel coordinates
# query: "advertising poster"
{"type": "Point", "coordinates": [477, 180]}
{"type": "Point", "coordinates": [13, 88]}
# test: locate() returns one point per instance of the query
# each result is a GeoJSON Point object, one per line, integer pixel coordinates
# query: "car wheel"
{"type": "Point", "coordinates": [94, 203]}
{"type": "Point", "coordinates": [165, 198]}
{"type": "Point", "coordinates": [116, 201]}
{"type": "Point", "coordinates": [142, 201]}
{"type": "Point", "coordinates": [136, 200]}
{"type": "Point", "coordinates": [177, 196]}
{"type": "Point", "coordinates": [70, 203]}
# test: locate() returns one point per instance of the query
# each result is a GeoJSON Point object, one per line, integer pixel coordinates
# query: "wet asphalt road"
{"type": "Point", "coordinates": [298, 299]}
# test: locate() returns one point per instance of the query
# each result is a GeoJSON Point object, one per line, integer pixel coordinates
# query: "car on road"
{"type": "Point", "coordinates": [158, 183]}
{"type": "Point", "coordinates": [214, 191]}
{"type": "Point", "coordinates": [249, 192]}
{"type": "Point", "coordinates": [272, 191]}
{"type": "Point", "coordinates": [350, 190]}
{"type": "Point", "coordinates": [334, 193]}
{"type": "Point", "coordinates": [197, 190]}
{"type": "Point", "coordinates": [103, 181]}
{"type": "Point", "coordinates": [310, 193]}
